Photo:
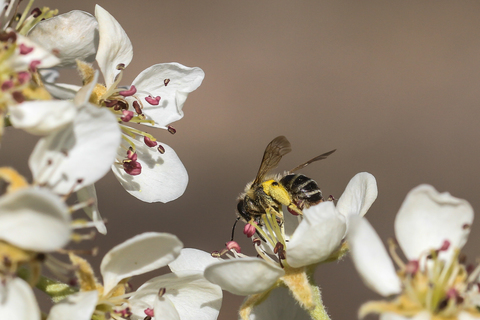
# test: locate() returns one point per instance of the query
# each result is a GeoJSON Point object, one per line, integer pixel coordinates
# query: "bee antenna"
{"type": "Point", "coordinates": [233, 228]}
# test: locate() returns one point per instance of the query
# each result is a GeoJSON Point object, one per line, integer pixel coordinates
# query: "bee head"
{"type": "Point", "coordinates": [241, 210]}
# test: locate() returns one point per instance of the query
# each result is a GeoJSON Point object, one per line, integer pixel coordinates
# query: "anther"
{"type": "Point", "coordinates": [161, 292]}
{"type": "Point", "coordinates": [127, 115]}
{"type": "Point", "coordinates": [232, 245]}
{"type": "Point", "coordinates": [132, 167]}
{"type": "Point", "coordinates": [137, 107]}
{"type": "Point", "coordinates": [331, 198]}
{"type": "Point", "coordinates": [171, 129]}
{"type": "Point", "coordinates": [110, 103]}
{"type": "Point", "coordinates": [465, 226]}
{"type": "Point", "coordinates": [8, 37]}
{"type": "Point", "coordinates": [129, 92]}
{"type": "Point", "coordinates": [149, 142]}
{"type": "Point", "coordinates": [153, 101]}
{"type": "Point", "coordinates": [166, 82]}
{"type": "Point", "coordinates": [7, 85]}
{"type": "Point", "coordinates": [18, 96]}
{"type": "Point", "coordinates": [412, 267]}
{"type": "Point", "coordinates": [23, 77]}
{"type": "Point", "coordinates": [445, 246]}
{"type": "Point", "coordinates": [121, 66]}
{"type": "Point", "coordinates": [24, 49]}
{"type": "Point", "coordinates": [161, 149]}
{"type": "Point", "coordinates": [148, 312]}
{"type": "Point", "coordinates": [249, 230]}
{"type": "Point", "coordinates": [36, 12]}
{"type": "Point", "coordinates": [257, 241]}
{"type": "Point", "coordinates": [33, 65]}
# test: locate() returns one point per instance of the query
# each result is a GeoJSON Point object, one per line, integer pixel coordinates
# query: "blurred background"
{"type": "Point", "coordinates": [393, 86]}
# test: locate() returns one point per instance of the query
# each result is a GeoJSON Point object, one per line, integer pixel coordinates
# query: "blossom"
{"type": "Point", "coordinates": [430, 228]}
{"type": "Point", "coordinates": [184, 293]}
{"type": "Point", "coordinates": [298, 246]}
{"type": "Point", "coordinates": [148, 170]}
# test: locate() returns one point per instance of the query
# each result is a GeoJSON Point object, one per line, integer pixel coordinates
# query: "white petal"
{"type": "Point", "coordinates": [49, 75]}
{"type": "Point", "coordinates": [193, 297]}
{"type": "Point", "coordinates": [243, 276]}
{"type": "Point", "coordinates": [84, 93]}
{"type": "Point", "coordinates": [279, 305]}
{"type": "Point", "coordinates": [192, 260]}
{"type": "Point", "coordinates": [74, 35]}
{"type": "Point", "coordinates": [393, 316]}
{"type": "Point", "coordinates": [22, 61]}
{"type": "Point", "coordinates": [164, 309]}
{"type": "Point", "coordinates": [78, 306]}
{"type": "Point", "coordinates": [467, 316]}
{"type": "Point", "coordinates": [78, 155]}
{"type": "Point", "coordinates": [42, 117]}
{"type": "Point", "coordinates": [163, 177]}
{"type": "Point", "coordinates": [183, 80]}
{"type": "Point", "coordinates": [88, 193]}
{"type": "Point", "coordinates": [114, 48]}
{"type": "Point", "coordinates": [371, 258]}
{"type": "Point", "coordinates": [359, 195]}
{"type": "Point", "coordinates": [34, 219]}
{"type": "Point", "coordinates": [19, 301]}
{"type": "Point", "coordinates": [61, 90]}
{"type": "Point", "coordinates": [143, 253]}
{"type": "Point", "coordinates": [318, 235]}
{"type": "Point", "coordinates": [427, 218]}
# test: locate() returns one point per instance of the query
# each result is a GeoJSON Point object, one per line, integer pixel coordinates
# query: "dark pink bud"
{"type": "Point", "coordinates": [33, 65]}
{"type": "Point", "coordinates": [127, 115]}
{"type": "Point", "coordinates": [110, 103]}
{"type": "Point", "coordinates": [171, 129]}
{"type": "Point", "coordinates": [153, 101]}
{"type": "Point", "coordinates": [24, 49]}
{"type": "Point", "coordinates": [129, 92]}
{"type": "Point", "coordinates": [131, 155]}
{"type": "Point", "coordinates": [149, 142]}
{"type": "Point", "coordinates": [249, 230]}
{"type": "Point", "coordinates": [233, 245]}
{"type": "Point", "coordinates": [161, 149]}
{"type": "Point", "coordinates": [137, 107]}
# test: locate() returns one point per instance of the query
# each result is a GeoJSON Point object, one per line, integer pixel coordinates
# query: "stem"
{"type": "Point", "coordinates": [319, 312]}
{"type": "Point", "coordinates": [55, 289]}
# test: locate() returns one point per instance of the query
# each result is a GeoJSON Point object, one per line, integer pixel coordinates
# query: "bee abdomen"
{"type": "Point", "coordinates": [303, 189]}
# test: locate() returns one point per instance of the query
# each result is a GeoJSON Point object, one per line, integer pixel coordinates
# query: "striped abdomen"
{"type": "Point", "coordinates": [304, 191]}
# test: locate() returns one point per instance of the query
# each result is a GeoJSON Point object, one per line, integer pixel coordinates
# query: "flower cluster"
{"type": "Point", "coordinates": [84, 131]}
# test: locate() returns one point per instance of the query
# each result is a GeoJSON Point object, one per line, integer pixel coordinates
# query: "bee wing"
{"type": "Point", "coordinates": [272, 156]}
{"type": "Point", "coordinates": [320, 157]}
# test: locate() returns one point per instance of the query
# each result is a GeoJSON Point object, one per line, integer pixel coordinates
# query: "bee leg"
{"type": "Point", "coordinates": [293, 209]}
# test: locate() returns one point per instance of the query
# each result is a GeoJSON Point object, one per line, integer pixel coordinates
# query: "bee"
{"type": "Point", "coordinates": [267, 193]}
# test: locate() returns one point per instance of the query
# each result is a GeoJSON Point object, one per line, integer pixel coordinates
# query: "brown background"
{"type": "Point", "coordinates": [394, 86]}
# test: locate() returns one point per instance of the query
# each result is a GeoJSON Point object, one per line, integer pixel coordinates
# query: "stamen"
{"type": "Point", "coordinates": [149, 142]}
{"type": "Point", "coordinates": [153, 101]}
{"type": "Point", "coordinates": [161, 149]}
{"type": "Point", "coordinates": [127, 115]}
{"type": "Point", "coordinates": [128, 93]}
{"type": "Point", "coordinates": [232, 245]}
{"type": "Point", "coordinates": [149, 311]}
{"type": "Point", "coordinates": [249, 230]}
{"type": "Point", "coordinates": [171, 129]}
{"type": "Point", "coordinates": [137, 107]}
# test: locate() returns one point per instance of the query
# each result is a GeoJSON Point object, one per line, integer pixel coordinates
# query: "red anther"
{"type": "Point", "coordinates": [23, 77]}
{"type": "Point", "coordinates": [171, 129]}
{"type": "Point", "coordinates": [131, 167]}
{"type": "Point", "coordinates": [137, 107]}
{"type": "Point", "coordinates": [161, 149]}
{"type": "Point", "coordinates": [233, 245]}
{"type": "Point", "coordinates": [257, 241]}
{"type": "Point", "coordinates": [129, 92]}
{"type": "Point", "coordinates": [8, 36]}
{"type": "Point", "coordinates": [278, 248]}
{"type": "Point", "coordinates": [148, 312]}
{"type": "Point", "coordinates": [149, 142]}
{"type": "Point", "coordinates": [166, 82]}
{"type": "Point", "coordinates": [125, 312]}
{"type": "Point", "coordinates": [33, 65]}
{"type": "Point", "coordinates": [131, 155]}
{"type": "Point", "coordinates": [161, 292]}
{"type": "Point", "coordinates": [7, 85]}
{"type": "Point", "coordinates": [18, 96]}
{"type": "Point", "coordinates": [249, 230]}
{"type": "Point", "coordinates": [24, 49]}
{"type": "Point", "coordinates": [445, 246]}
{"type": "Point", "coordinates": [120, 66]}
{"type": "Point", "coordinates": [331, 198]}
{"type": "Point", "coordinates": [110, 103]}
{"type": "Point", "coordinates": [127, 115]}
{"type": "Point", "coordinates": [153, 101]}
{"type": "Point", "coordinates": [36, 12]}
{"type": "Point", "coordinates": [412, 267]}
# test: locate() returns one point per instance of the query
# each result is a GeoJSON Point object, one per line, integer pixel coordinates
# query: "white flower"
{"type": "Point", "coordinates": [184, 294]}
{"type": "Point", "coordinates": [17, 301]}
{"type": "Point", "coordinates": [431, 228]}
{"type": "Point", "coordinates": [150, 171]}
{"type": "Point", "coordinates": [317, 238]}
